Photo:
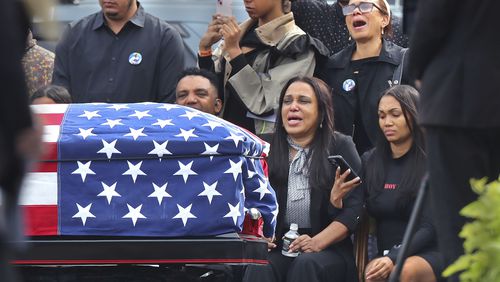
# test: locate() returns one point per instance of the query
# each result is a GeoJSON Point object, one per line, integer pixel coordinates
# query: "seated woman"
{"type": "Point", "coordinates": [256, 60]}
{"type": "Point", "coordinates": [392, 173]}
{"type": "Point", "coordinates": [363, 70]}
{"type": "Point", "coordinates": [302, 177]}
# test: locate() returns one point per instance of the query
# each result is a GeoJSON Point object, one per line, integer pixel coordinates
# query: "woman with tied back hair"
{"type": "Point", "coordinates": [256, 59]}
{"type": "Point", "coordinates": [363, 70]}
{"type": "Point", "coordinates": [302, 177]}
{"type": "Point", "coordinates": [392, 173]}
{"type": "Point", "coordinates": [50, 94]}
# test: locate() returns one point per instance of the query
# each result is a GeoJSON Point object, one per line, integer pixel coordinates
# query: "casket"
{"type": "Point", "coordinates": [146, 169]}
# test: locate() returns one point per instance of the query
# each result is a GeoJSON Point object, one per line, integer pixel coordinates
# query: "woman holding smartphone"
{"type": "Point", "coordinates": [256, 59]}
{"type": "Point", "coordinates": [392, 173]}
{"type": "Point", "coordinates": [302, 177]}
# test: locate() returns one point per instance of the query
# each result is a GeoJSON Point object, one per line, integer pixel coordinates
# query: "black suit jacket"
{"type": "Point", "coordinates": [322, 213]}
{"type": "Point", "coordinates": [371, 82]}
{"type": "Point", "coordinates": [15, 114]}
{"type": "Point", "coordinates": [455, 52]}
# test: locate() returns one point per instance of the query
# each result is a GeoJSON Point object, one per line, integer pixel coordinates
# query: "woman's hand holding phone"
{"type": "Point", "coordinates": [231, 33]}
{"type": "Point", "coordinates": [345, 181]}
{"type": "Point", "coordinates": [213, 33]}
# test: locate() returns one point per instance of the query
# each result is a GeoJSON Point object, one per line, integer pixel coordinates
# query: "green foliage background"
{"type": "Point", "coordinates": [481, 261]}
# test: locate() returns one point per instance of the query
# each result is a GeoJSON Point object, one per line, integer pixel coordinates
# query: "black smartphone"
{"type": "Point", "coordinates": [338, 161]}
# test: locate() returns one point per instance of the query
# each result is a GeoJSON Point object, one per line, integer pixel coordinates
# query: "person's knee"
{"type": "Point", "coordinates": [304, 267]}
{"type": "Point", "coordinates": [416, 269]}
{"type": "Point", "coordinates": [409, 273]}
{"type": "Point", "coordinates": [304, 261]}
{"type": "Point", "coordinates": [317, 267]}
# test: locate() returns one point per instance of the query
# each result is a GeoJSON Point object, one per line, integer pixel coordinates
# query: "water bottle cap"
{"type": "Point", "coordinates": [294, 226]}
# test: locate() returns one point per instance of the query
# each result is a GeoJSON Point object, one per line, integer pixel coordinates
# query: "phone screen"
{"type": "Point", "coordinates": [223, 7]}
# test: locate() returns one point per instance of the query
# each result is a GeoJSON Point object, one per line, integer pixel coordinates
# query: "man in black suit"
{"type": "Point", "coordinates": [454, 53]}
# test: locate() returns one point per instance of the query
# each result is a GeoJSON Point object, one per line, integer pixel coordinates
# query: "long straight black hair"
{"type": "Point", "coordinates": [376, 168]}
{"type": "Point", "coordinates": [319, 169]}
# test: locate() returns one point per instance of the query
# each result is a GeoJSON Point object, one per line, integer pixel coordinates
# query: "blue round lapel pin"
{"type": "Point", "coordinates": [135, 58]}
{"type": "Point", "coordinates": [348, 85]}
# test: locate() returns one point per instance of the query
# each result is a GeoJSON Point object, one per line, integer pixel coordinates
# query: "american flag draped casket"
{"type": "Point", "coordinates": [144, 169]}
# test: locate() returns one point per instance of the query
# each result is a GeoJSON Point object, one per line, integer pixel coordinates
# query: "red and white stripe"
{"type": "Point", "coordinates": [39, 193]}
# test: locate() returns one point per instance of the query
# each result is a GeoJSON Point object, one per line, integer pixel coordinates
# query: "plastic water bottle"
{"type": "Point", "coordinates": [289, 237]}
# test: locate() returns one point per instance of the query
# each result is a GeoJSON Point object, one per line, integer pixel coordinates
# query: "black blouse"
{"type": "Point", "coordinates": [392, 214]}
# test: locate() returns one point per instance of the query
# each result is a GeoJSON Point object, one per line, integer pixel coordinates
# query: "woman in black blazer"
{"type": "Point", "coordinates": [302, 177]}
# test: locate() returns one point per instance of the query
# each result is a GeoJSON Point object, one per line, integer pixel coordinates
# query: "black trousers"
{"type": "Point", "coordinates": [327, 265]}
{"type": "Point", "coordinates": [454, 156]}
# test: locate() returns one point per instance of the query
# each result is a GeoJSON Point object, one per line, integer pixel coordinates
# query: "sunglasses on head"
{"type": "Point", "coordinates": [363, 7]}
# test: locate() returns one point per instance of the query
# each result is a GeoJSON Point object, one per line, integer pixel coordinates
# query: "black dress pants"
{"type": "Point", "coordinates": [327, 265]}
{"type": "Point", "coordinates": [455, 155]}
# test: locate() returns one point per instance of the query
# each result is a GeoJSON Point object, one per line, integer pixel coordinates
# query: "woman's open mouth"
{"type": "Point", "coordinates": [294, 120]}
{"type": "Point", "coordinates": [359, 24]}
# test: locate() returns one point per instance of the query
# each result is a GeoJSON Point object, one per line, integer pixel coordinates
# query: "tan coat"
{"type": "Point", "coordinates": [258, 86]}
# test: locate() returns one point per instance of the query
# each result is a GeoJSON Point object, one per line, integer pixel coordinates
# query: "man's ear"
{"type": "Point", "coordinates": [218, 106]}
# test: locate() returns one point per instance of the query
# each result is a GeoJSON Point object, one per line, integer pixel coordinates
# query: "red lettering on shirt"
{"type": "Point", "coordinates": [390, 186]}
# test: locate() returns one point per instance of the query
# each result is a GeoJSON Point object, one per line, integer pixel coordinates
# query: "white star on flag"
{"type": "Point", "coordinates": [118, 107]}
{"type": "Point", "coordinates": [186, 134]}
{"type": "Point", "coordinates": [160, 192]}
{"type": "Point", "coordinates": [234, 212]}
{"type": "Point", "coordinates": [90, 115]}
{"type": "Point", "coordinates": [163, 122]}
{"type": "Point", "coordinates": [109, 148]}
{"type": "Point", "coordinates": [212, 124]}
{"type": "Point", "coordinates": [185, 170]}
{"type": "Point", "coordinates": [112, 122]}
{"type": "Point", "coordinates": [275, 214]}
{"type": "Point", "coordinates": [184, 213]}
{"type": "Point", "coordinates": [251, 173]}
{"type": "Point", "coordinates": [134, 170]}
{"type": "Point", "coordinates": [190, 114]}
{"type": "Point", "coordinates": [210, 191]}
{"type": "Point", "coordinates": [235, 168]}
{"type": "Point", "coordinates": [235, 138]}
{"type": "Point", "coordinates": [168, 107]}
{"type": "Point", "coordinates": [134, 213]}
{"type": "Point", "coordinates": [210, 150]}
{"type": "Point", "coordinates": [135, 133]}
{"type": "Point", "coordinates": [140, 114]}
{"type": "Point", "coordinates": [109, 192]}
{"type": "Point", "coordinates": [83, 169]}
{"type": "Point", "coordinates": [83, 213]}
{"type": "Point", "coordinates": [160, 149]}
{"type": "Point", "coordinates": [262, 190]}
{"type": "Point", "coordinates": [86, 133]}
